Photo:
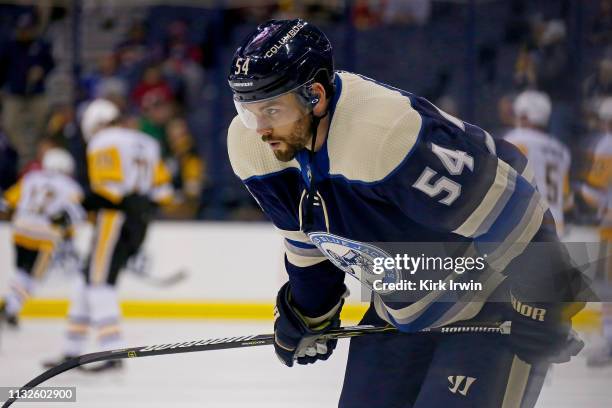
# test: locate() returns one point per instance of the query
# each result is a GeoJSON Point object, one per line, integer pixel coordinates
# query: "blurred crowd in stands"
{"type": "Point", "coordinates": [155, 85]}
{"type": "Point", "coordinates": [163, 81]}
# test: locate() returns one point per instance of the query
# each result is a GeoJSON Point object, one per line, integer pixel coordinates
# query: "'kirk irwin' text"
{"type": "Point", "coordinates": [426, 285]}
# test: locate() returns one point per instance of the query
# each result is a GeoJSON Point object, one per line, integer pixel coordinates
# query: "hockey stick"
{"type": "Point", "coordinates": [165, 281]}
{"type": "Point", "coordinates": [139, 265]}
{"type": "Point", "coordinates": [243, 341]}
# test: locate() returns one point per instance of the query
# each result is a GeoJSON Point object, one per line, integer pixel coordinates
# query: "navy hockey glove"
{"type": "Point", "coordinates": [542, 332]}
{"type": "Point", "coordinates": [295, 338]}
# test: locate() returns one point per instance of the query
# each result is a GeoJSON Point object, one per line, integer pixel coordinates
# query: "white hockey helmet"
{"type": "Point", "coordinates": [99, 113]}
{"type": "Point", "coordinates": [533, 105]}
{"type": "Point", "coordinates": [605, 109]}
{"type": "Point", "coordinates": [59, 160]}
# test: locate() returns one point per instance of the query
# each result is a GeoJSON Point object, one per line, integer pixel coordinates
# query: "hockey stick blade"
{"type": "Point", "coordinates": [242, 341]}
{"type": "Point", "coordinates": [167, 281]}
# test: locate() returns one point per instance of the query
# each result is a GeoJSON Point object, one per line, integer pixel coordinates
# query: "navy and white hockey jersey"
{"type": "Point", "coordinates": [394, 168]}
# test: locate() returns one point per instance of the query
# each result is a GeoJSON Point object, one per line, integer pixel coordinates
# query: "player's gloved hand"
{"type": "Point", "coordinates": [295, 338]}
{"type": "Point", "coordinates": [542, 332]}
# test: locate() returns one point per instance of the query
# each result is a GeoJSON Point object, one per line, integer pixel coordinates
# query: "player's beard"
{"type": "Point", "coordinates": [297, 139]}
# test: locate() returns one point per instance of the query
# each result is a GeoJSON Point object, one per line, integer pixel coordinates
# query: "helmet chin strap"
{"type": "Point", "coordinates": [308, 220]}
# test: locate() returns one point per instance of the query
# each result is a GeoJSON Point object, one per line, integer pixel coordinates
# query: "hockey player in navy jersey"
{"type": "Point", "coordinates": [340, 162]}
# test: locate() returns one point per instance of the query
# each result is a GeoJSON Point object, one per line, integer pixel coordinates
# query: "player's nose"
{"type": "Point", "coordinates": [264, 130]}
{"type": "Point", "coordinates": [264, 126]}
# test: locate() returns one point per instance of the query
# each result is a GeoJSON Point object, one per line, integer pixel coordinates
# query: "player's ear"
{"type": "Point", "coordinates": [319, 99]}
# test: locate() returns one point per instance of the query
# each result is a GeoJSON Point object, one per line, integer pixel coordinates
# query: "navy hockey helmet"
{"type": "Point", "coordinates": [278, 57]}
{"type": "Point", "coordinates": [281, 56]}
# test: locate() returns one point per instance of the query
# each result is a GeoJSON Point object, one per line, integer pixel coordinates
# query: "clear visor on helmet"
{"type": "Point", "coordinates": [270, 113]}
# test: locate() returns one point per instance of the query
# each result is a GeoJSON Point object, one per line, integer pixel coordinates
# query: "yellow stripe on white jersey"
{"type": "Point", "coordinates": [108, 228]}
{"type": "Point", "coordinates": [34, 244]}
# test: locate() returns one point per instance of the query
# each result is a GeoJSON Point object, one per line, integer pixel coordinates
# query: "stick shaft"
{"type": "Point", "coordinates": [243, 341]}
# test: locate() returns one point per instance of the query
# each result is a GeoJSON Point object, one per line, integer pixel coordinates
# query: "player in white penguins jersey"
{"type": "Point", "coordinates": [46, 206]}
{"type": "Point", "coordinates": [343, 165]}
{"type": "Point", "coordinates": [549, 158]}
{"type": "Point", "coordinates": [127, 180]}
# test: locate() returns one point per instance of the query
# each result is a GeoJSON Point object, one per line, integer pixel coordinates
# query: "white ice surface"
{"type": "Point", "coordinates": [229, 378]}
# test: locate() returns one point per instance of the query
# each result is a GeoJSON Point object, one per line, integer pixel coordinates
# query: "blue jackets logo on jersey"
{"type": "Point", "coordinates": [354, 257]}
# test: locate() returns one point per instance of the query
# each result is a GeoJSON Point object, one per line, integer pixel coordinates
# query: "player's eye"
{"type": "Point", "coordinates": [272, 112]}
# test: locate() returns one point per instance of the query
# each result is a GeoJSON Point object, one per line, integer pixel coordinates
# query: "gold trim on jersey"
{"type": "Point", "coordinates": [108, 227]}
{"type": "Point", "coordinates": [192, 169]}
{"type": "Point", "coordinates": [107, 192]}
{"type": "Point", "coordinates": [161, 175]}
{"type": "Point", "coordinates": [35, 237]}
{"type": "Point", "coordinates": [33, 244]}
{"type": "Point", "coordinates": [13, 194]}
{"type": "Point", "coordinates": [522, 148]}
{"type": "Point", "coordinates": [600, 173]}
{"type": "Point", "coordinates": [161, 191]}
{"type": "Point", "coordinates": [105, 165]}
